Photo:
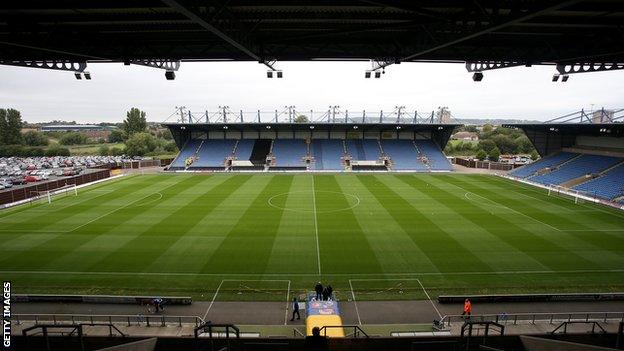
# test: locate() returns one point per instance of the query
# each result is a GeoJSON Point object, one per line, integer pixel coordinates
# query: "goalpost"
{"type": "Point", "coordinates": [47, 195]}
{"type": "Point", "coordinates": [577, 196]}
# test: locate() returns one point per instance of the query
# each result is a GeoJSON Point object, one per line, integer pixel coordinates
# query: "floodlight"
{"type": "Point", "coordinates": [367, 74]}
{"type": "Point", "coordinates": [77, 75]}
{"type": "Point", "coordinates": [269, 74]}
{"type": "Point", "coordinates": [565, 78]}
{"type": "Point", "coordinates": [377, 74]}
{"type": "Point", "coordinates": [477, 76]}
{"type": "Point", "coordinates": [555, 77]}
{"type": "Point", "coordinates": [279, 74]}
{"type": "Point", "coordinates": [87, 75]}
{"type": "Point", "coordinates": [170, 75]}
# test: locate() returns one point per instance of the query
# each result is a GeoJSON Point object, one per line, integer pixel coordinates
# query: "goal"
{"type": "Point", "coordinates": [577, 196]}
{"type": "Point", "coordinates": [47, 195]}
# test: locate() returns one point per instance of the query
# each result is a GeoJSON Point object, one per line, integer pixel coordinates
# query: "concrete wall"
{"type": "Point", "coordinates": [539, 344]}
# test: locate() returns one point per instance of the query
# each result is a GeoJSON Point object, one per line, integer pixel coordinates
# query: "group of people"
{"type": "Point", "coordinates": [324, 293]}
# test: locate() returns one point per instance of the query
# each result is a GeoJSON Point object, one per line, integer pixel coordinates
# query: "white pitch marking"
{"type": "Point", "coordinates": [213, 300]}
{"type": "Point", "coordinates": [429, 298]}
{"type": "Point", "coordinates": [355, 303]}
{"type": "Point", "coordinates": [510, 209]}
{"type": "Point", "coordinates": [318, 250]}
{"type": "Point", "coordinates": [189, 274]}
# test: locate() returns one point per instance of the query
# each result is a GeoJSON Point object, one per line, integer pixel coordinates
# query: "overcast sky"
{"type": "Point", "coordinates": [521, 92]}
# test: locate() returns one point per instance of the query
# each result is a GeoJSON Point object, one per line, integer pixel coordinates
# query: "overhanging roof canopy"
{"type": "Point", "coordinates": [528, 31]}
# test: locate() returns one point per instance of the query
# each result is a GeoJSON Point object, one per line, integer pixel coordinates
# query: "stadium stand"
{"type": "Point", "coordinates": [327, 154]}
{"type": "Point", "coordinates": [436, 159]}
{"type": "Point", "coordinates": [403, 155]}
{"type": "Point", "coordinates": [578, 167]}
{"type": "Point", "coordinates": [244, 147]}
{"type": "Point", "coordinates": [189, 149]}
{"type": "Point", "coordinates": [290, 152]}
{"type": "Point", "coordinates": [213, 152]}
{"type": "Point", "coordinates": [546, 162]}
{"type": "Point", "coordinates": [363, 149]}
{"type": "Point", "coordinates": [608, 186]}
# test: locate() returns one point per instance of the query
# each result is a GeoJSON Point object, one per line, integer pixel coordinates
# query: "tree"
{"type": "Point", "coordinates": [487, 145]}
{"type": "Point", "coordinates": [302, 119]}
{"type": "Point", "coordinates": [3, 126]}
{"type": "Point", "coordinates": [103, 150]}
{"type": "Point", "coordinates": [505, 144]}
{"type": "Point", "coordinates": [116, 136]}
{"type": "Point", "coordinates": [73, 138]}
{"type": "Point", "coordinates": [135, 122]}
{"type": "Point", "coordinates": [524, 144]}
{"type": "Point", "coordinates": [487, 128]}
{"type": "Point", "coordinates": [494, 155]}
{"type": "Point", "coordinates": [34, 138]}
{"type": "Point", "coordinates": [10, 127]}
{"type": "Point", "coordinates": [57, 151]}
{"type": "Point", "coordinates": [481, 155]}
{"type": "Point", "coordinates": [171, 147]}
{"type": "Point", "coordinates": [534, 155]}
{"type": "Point", "coordinates": [140, 144]}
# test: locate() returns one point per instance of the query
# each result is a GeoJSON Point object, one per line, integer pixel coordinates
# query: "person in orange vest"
{"type": "Point", "coordinates": [467, 308]}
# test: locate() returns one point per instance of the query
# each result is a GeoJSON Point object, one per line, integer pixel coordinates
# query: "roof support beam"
{"type": "Point", "coordinates": [489, 29]}
{"type": "Point", "coordinates": [216, 31]}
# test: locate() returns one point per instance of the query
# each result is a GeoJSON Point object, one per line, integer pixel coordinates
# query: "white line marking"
{"type": "Point", "coordinates": [110, 212]}
{"type": "Point", "coordinates": [213, 300]}
{"type": "Point", "coordinates": [356, 204]}
{"type": "Point", "coordinates": [287, 302]}
{"type": "Point", "coordinates": [357, 311]}
{"type": "Point", "coordinates": [189, 274]}
{"type": "Point", "coordinates": [511, 209]}
{"type": "Point", "coordinates": [318, 251]}
{"type": "Point", "coordinates": [429, 298]}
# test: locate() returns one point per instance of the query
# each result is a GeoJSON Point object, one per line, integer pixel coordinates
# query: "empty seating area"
{"type": "Point", "coordinates": [437, 160]}
{"type": "Point", "coordinates": [583, 165]}
{"type": "Point", "coordinates": [290, 152]}
{"type": "Point", "coordinates": [323, 154]}
{"type": "Point", "coordinates": [212, 153]}
{"type": "Point", "coordinates": [327, 154]}
{"type": "Point", "coordinates": [546, 162]}
{"type": "Point", "coordinates": [403, 155]}
{"type": "Point", "coordinates": [608, 186]}
{"type": "Point", "coordinates": [363, 149]}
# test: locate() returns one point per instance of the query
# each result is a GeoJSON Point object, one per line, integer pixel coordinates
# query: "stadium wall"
{"type": "Point", "coordinates": [29, 191]}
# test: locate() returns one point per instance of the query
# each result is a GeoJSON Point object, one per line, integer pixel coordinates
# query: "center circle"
{"type": "Point", "coordinates": [307, 202]}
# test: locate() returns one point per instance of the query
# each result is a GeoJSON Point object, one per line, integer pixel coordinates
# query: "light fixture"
{"type": "Point", "coordinates": [367, 74]}
{"type": "Point", "coordinates": [77, 75]}
{"type": "Point", "coordinates": [268, 127]}
{"type": "Point", "coordinates": [355, 127]}
{"type": "Point", "coordinates": [565, 78]}
{"type": "Point", "coordinates": [87, 75]}
{"type": "Point", "coordinates": [477, 76]}
{"type": "Point", "coordinates": [555, 77]}
{"type": "Point", "coordinates": [279, 74]}
{"type": "Point", "coordinates": [269, 74]}
{"type": "Point", "coordinates": [377, 74]}
{"type": "Point", "coordinates": [398, 127]}
{"type": "Point", "coordinates": [170, 75]}
{"type": "Point", "coordinates": [311, 127]}
{"type": "Point", "coordinates": [225, 127]}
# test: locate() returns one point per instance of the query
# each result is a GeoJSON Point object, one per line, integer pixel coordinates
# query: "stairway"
{"type": "Point", "coordinates": [261, 148]}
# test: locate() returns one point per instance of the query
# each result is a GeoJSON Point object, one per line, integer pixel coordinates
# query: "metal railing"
{"type": "Point", "coordinates": [356, 330]}
{"type": "Point", "coordinates": [532, 318]}
{"type": "Point", "coordinates": [125, 319]}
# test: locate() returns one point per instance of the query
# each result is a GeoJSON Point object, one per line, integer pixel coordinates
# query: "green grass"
{"type": "Point", "coordinates": [261, 236]}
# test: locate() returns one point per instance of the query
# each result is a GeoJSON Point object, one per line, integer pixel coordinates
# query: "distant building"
{"type": "Point", "coordinates": [469, 136]}
{"type": "Point", "coordinates": [72, 128]}
{"type": "Point", "coordinates": [602, 116]}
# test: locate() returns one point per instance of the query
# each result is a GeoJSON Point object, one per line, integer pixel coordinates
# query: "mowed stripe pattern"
{"type": "Point", "coordinates": [453, 230]}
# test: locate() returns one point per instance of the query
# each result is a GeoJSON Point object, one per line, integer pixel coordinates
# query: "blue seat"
{"type": "Point", "coordinates": [608, 186]}
{"type": "Point", "coordinates": [437, 160]}
{"type": "Point", "coordinates": [546, 162]}
{"type": "Point", "coordinates": [403, 155]}
{"type": "Point", "coordinates": [327, 154]}
{"type": "Point", "coordinates": [244, 149]}
{"type": "Point", "coordinates": [187, 151]}
{"type": "Point", "coordinates": [213, 153]}
{"type": "Point", "coordinates": [290, 152]}
{"type": "Point", "coordinates": [583, 165]}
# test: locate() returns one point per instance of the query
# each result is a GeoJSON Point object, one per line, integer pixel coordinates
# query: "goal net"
{"type": "Point", "coordinates": [48, 195]}
{"type": "Point", "coordinates": [577, 196]}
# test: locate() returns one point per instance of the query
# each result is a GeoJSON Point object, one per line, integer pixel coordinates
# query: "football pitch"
{"type": "Point", "coordinates": [269, 236]}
